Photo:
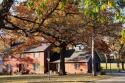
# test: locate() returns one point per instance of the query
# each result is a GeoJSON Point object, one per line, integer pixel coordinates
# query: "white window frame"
{"type": "Point", "coordinates": [36, 55]}
{"type": "Point", "coordinates": [9, 67]}
{"type": "Point", "coordinates": [22, 67]}
{"type": "Point", "coordinates": [36, 67]}
{"type": "Point", "coordinates": [9, 57]}
{"type": "Point", "coordinates": [22, 55]}
{"type": "Point", "coordinates": [77, 65]}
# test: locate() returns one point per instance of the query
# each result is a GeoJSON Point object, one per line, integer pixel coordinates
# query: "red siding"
{"type": "Point", "coordinates": [27, 61]}
{"type": "Point", "coordinates": [71, 69]}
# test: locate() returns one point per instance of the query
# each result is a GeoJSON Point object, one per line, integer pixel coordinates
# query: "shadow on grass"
{"type": "Point", "coordinates": [71, 78]}
{"type": "Point", "coordinates": [111, 70]}
{"type": "Point", "coordinates": [19, 78]}
{"type": "Point", "coordinates": [61, 82]}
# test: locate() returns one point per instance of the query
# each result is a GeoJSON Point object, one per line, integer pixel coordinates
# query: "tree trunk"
{"type": "Point", "coordinates": [122, 65]}
{"type": "Point", "coordinates": [118, 65]}
{"type": "Point", "coordinates": [4, 10]}
{"type": "Point", "coordinates": [62, 59]}
{"type": "Point", "coordinates": [93, 58]}
{"type": "Point", "coordinates": [106, 61]}
{"type": "Point", "coordinates": [5, 6]}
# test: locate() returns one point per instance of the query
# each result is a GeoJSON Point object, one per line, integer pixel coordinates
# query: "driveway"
{"type": "Point", "coordinates": [119, 78]}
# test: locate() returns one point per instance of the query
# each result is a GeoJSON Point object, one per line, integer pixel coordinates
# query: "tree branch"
{"type": "Point", "coordinates": [23, 18]}
{"type": "Point", "coordinates": [47, 16]}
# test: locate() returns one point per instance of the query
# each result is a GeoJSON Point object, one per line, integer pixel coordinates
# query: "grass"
{"type": "Point", "coordinates": [53, 79]}
{"type": "Point", "coordinates": [113, 66]}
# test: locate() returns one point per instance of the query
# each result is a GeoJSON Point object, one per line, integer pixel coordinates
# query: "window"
{"type": "Point", "coordinates": [36, 55]}
{"type": "Point", "coordinates": [21, 67]}
{"type": "Point", "coordinates": [9, 57]}
{"type": "Point", "coordinates": [9, 67]}
{"type": "Point", "coordinates": [36, 67]}
{"type": "Point", "coordinates": [77, 65]}
{"type": "Point", "coordinates": [22, 55]}
{"type": "Point", "coordinates": [58, 66]}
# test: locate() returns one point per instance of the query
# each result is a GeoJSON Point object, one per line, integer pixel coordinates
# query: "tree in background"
{"type": "Point", "coordinates": [103, 14]}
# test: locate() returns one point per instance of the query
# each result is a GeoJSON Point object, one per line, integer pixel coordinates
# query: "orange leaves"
{"type": "Point", "coordinates": [56, 49]}
{"type": "Point", "coordinates": [102, 46]}
{"type": "Point", "coordinates": [89, 28]}
{"type": "Point", "coordinates": [122, 41]}
{"type": "Point", "coordinates": [57, 43]}
{"type": "Point", "coordinates": [71, 8]}
{"type": "Point", "coordinates": [22, 9]}
{"type": "Point", "coordinates": [42, 7]}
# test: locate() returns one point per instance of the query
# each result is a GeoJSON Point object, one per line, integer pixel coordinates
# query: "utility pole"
{"type": "Point", "coordinates": [48, 59]}
{"type": "Point", "coordinates": [106, 61]}
{"type": "Point", "coordinates": [93, 57]}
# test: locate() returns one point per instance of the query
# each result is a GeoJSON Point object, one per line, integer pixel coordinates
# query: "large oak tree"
{"type": "Point", "coordinates": [53, 19]}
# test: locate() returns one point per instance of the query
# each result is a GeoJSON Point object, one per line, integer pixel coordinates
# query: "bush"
{"type": "Point", "coordinates": [27, 71]}
{"type": "Point", "coordinates": [33, 73]}
{"type": "Point", "coordinates": [102, 72]}
{"type": "Point", "coordinates": [1, 73]}
{"type": "Point", "coordinates": [16, 72]}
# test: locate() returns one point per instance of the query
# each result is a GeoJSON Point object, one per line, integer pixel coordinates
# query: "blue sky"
{"type": "Point", "coordinates": [1, 1]}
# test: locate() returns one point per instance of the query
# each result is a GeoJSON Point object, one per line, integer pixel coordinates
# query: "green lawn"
{"type": "Point", "coordinates": [113, 66]}
{"type": "Point", "coordinates": [54, 79]}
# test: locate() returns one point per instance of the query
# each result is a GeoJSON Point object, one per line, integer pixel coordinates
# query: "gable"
{"type": "Point", "coordinates": [12, 46]}
{"type": "Point", "coordinates": [41, 48]}
{"type": "Point", "coordinates": [97, 57]}
{"type": "Point", "coordinates": [72, 56]}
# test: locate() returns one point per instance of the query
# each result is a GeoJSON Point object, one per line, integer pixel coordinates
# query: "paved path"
{"type": "Point", "coordinates": [120, 78]}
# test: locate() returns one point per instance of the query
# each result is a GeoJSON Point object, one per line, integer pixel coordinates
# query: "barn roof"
{"type": "Point", "coordinates": [13, 46]}
{"type": "Point", "coordinates": [72, 56]}
{"type": "Point", "coordinates": [41, 48]}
